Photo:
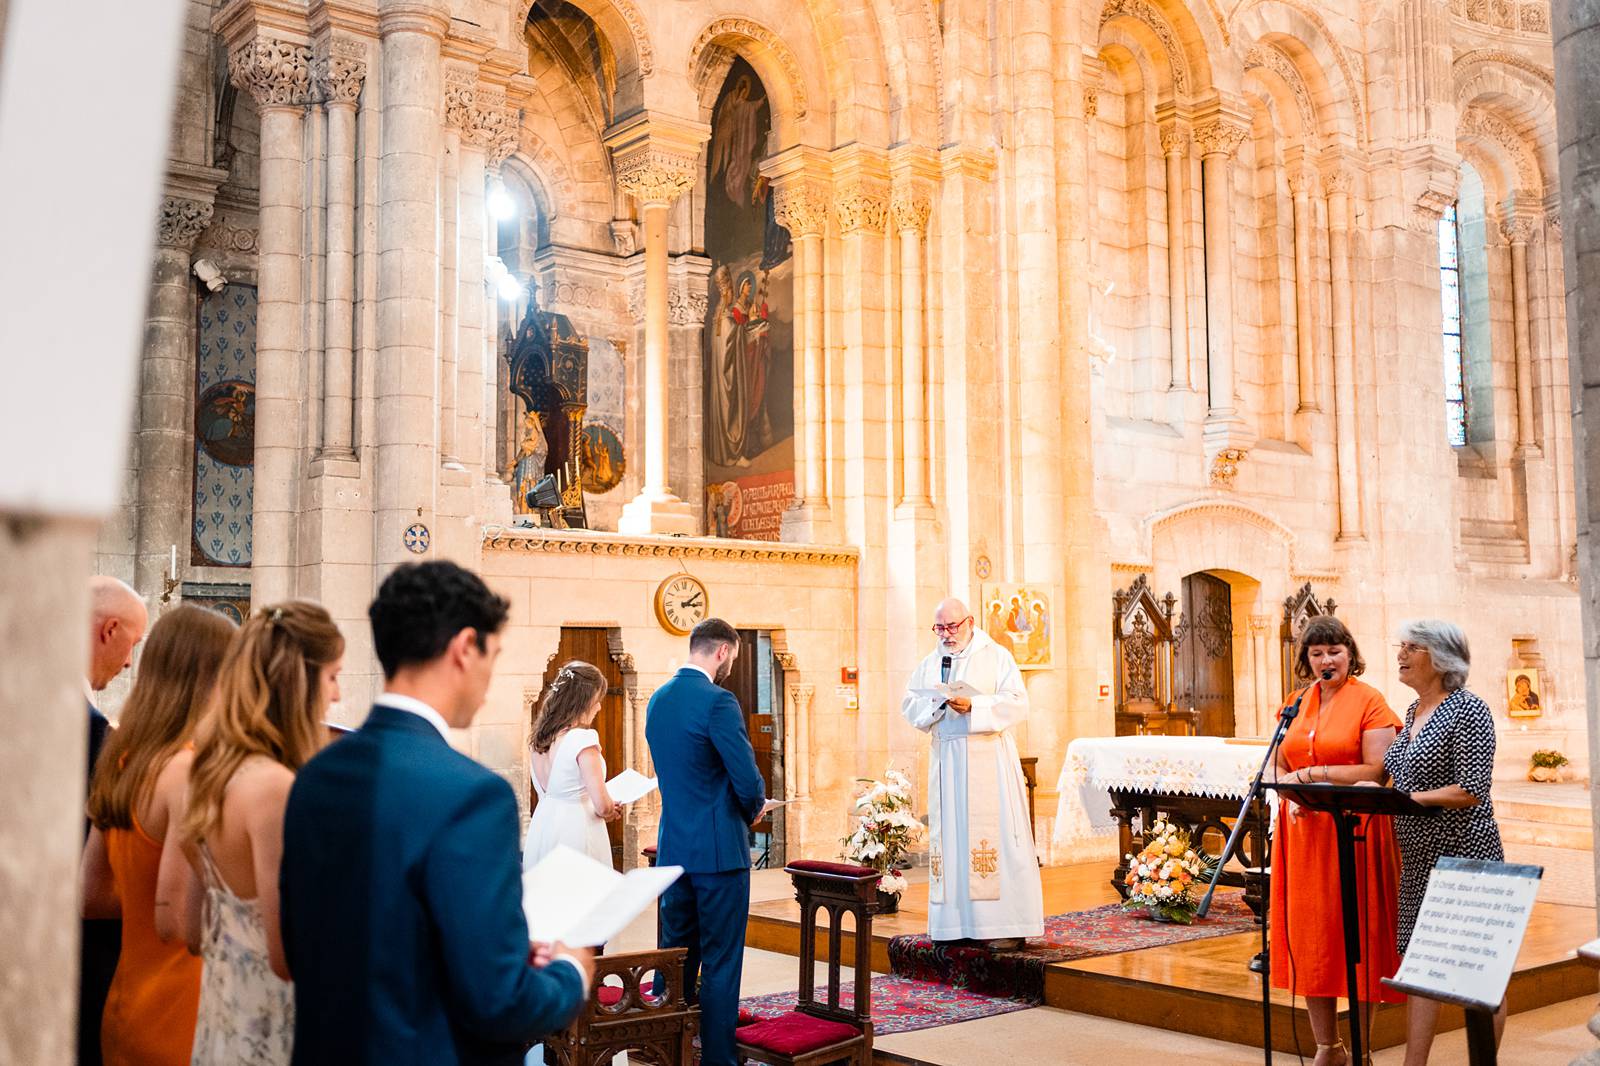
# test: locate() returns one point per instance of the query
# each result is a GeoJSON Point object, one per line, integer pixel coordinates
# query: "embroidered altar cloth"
{"type": "Point", "coordinates": [1194, 766]}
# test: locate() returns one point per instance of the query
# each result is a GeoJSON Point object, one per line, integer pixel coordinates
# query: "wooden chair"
{"type": "Point", "coordinates": [654, 1028]}
{"type": "Point", "coordinates": [815, 1033]}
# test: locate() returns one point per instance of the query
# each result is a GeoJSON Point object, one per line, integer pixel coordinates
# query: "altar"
{"type": "Point", "coordinates": [1119, 784]}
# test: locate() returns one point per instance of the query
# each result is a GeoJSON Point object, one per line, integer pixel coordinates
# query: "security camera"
{"type": "Point", "coordinates": [210, 274]}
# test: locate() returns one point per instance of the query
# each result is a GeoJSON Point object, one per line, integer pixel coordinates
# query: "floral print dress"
{"type": "Point", "coordinates": [246, 1012]}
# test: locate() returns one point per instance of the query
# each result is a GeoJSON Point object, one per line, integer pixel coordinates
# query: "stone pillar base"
{"type": "Point", "coordinates": [805, 523]}
{"type": "Point", "coordinates": [657, 514]}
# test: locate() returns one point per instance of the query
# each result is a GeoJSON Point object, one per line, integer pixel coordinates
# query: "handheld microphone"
{"type": "Point", "coordinates": [944, 668]}
{"type": "Point", "coordinates": [1327, 675]}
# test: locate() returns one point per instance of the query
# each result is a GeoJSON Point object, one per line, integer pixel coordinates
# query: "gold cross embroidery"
{"type": "Point", "coordinates": [936, 865]}
{"type": "Point", "coordinates": [985, 860]}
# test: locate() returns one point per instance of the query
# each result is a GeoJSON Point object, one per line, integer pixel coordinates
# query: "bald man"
{"type": "Point", "coordinates": [117, 621]}
{"type": "Point", "coordinates": [983, 872]}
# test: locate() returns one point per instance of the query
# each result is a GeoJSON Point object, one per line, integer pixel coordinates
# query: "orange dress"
{"type": "Point", "coordinates": [1307, 917]}
{"type": "Point", "coordinates": [155, 995]}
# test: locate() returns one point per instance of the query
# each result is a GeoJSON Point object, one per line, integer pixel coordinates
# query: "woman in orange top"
{"type": "Point", "coordinates": [132, 865]}
{"type": "Point", "coordinates": [1340, 736]}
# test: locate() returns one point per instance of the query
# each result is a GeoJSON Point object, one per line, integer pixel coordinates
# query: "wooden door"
{"type": "Point", "coordinates": [1204, 674]}
{"type": "Point", "coordinates": [756, 682]}
{"type": "Point", "coordinates": [591, 646]}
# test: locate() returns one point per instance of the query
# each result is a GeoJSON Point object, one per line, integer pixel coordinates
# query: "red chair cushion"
{"type": "Point", "coordinates": [795, 1033]}
{"type": "Point", "coordinates": [608, 995]}
{"type": "Point", "coordinates": [838, 869]}
{"type": "Point", "coordinates": [748, 1017]}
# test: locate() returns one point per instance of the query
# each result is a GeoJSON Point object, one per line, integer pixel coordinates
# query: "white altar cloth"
{"type": "Point", "coordinates": [1195, 766]}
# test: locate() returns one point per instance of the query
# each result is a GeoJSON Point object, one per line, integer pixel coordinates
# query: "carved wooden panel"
{"type": "Point", "coordinates": [1204, 659]}
{"type": "Point", "coordinates": [1298, 610]}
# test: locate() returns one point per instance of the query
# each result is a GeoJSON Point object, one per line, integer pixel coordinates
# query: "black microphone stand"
{"type": "Point", "coordinates": [1262, 963]}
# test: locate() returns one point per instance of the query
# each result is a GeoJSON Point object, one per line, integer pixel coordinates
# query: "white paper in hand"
{"type": "Point", "coordinates": [569, 897]}
{"type": "Point", "coordinates": [956, 689]}
{"type": "Point", "coordinates": [630, 785]}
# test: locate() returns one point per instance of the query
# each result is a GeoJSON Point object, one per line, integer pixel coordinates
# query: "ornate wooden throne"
{"type": "Point", "coordinates": [1142, 642]}
{"type": "Point", "coordinates": [1298, 610]}
{"type": "Point", "coordinates": [550, 374]}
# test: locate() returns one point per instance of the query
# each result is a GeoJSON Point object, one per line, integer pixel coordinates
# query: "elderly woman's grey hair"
{"type": "Point", "coordinates": [1446, 646]}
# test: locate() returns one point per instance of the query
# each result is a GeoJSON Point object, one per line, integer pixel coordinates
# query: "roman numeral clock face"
{"type": "Point", "coordinates": [681, 603]}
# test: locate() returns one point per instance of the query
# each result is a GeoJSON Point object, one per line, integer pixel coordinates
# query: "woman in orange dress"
{"type": "Point", "coordinates": [133, 867]}
{"type": "Point", "coordinates": [1340, 736]}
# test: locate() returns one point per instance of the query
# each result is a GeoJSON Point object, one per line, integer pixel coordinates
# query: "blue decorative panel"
{"type": "Point", "coordinates": [225, 428]}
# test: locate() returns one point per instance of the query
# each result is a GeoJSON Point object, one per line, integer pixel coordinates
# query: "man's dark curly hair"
{"type": "Point", "coordinates": [422, 606]}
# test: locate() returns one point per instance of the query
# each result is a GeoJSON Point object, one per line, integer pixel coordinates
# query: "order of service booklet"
{"type": "Point", "coordinates": [568, 897]}
{"type": "Point", "coordinates": [630, 785]}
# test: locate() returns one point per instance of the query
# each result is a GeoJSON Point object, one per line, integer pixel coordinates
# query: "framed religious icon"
{"type": "Point", "coordinates": [1524, 693]}
{"type": "Point", "coordinates": [682, 603]}
{"type": "Point", "coordinates": [1018, 618]}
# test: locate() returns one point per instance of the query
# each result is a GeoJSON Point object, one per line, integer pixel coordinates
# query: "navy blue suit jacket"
{"type": "Point", "coordinates": [711, 789]}
{"type": "Point", "coordinates": [402, 907]}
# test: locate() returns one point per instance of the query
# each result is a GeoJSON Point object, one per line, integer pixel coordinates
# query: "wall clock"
{"type": "Point", "coordinates": [681, 603]}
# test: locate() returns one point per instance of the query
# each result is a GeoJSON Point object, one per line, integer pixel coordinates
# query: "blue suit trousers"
{"type": "Point", "coordinates": [705, 912]}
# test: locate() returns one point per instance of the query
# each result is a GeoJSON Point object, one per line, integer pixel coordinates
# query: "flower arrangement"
{"type": "Point", "coordinates": [1547, 764]}
{"type": "Point", "coordinates": [1166, 876]}
{"type": "Point", "coordinates": [885, 829]}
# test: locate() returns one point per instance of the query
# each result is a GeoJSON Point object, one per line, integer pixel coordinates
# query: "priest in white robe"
{"type": "Point", "coordinates": [983, 871]}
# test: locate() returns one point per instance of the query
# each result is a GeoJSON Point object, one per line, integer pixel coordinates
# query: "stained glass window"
{"type": "Point", "coordinates": [1455, 393]}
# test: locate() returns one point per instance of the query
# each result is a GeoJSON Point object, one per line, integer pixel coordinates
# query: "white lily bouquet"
{"type": "Point", "coordinates": [886, 829]}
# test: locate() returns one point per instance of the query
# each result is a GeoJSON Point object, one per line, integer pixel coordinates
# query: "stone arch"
{"type": "Point", "coordinates": [626, 31]}
{"type": "Point", "coordinates": [771, 57]}
{"type": "Point", "coordinates": [1518, 94]}
{"type": "Point", "coordinates": [571, 159]}
{"type": "Point", "coordinates": [1514, 165]}
{"type": "Point", "coordinates": [1215, 534]}
{"type": "Point", "coordinates": [1331, 79]}
{"type": "Point", "coordinates": [1147, 22]}
{"type": "Point", "coordinates": [1280, 82]}
{"type": "Point", "coordinates": [914, 56]}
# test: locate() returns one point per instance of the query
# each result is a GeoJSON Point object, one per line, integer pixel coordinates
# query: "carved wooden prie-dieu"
{"type": "Point", "coordinates": [637, 1006]}
{"type": "Point", "coordinates": [550, 373]}
{"type": "Point", "coordinates": [1142, 644]}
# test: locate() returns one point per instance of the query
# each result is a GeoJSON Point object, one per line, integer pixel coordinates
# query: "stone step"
{"type": "Point", "coordinates": [1543, 813]}
{"type": "Point", "coordinates": [1546, 834]}
{"type": "Point", "coordinates": [1568, 874]}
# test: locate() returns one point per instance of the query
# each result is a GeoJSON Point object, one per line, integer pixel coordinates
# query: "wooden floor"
{"type": "Point", "coordinates": [1202, 987]}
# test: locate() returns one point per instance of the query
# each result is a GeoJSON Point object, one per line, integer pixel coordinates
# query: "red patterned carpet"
{"type": "Point", "coordinates": [1019, 975]}
{"type": "Point", "coordinates": [899, 1004]}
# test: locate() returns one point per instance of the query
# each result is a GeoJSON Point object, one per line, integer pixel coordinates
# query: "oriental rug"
{"type": "Point", "coordinates": [899, 1004]}
{"type": "Point", "coordinates": [1019, 975]}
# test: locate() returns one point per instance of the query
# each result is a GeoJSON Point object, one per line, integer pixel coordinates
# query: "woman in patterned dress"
{"type": "Point", "coordinates": [1444, 757]}
{"type": "Point", "coordinates": [277, 681]}
{"type": "Point", "coordinates": [1339, 736]}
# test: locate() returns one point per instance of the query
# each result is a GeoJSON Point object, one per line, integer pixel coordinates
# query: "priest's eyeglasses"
{"type": "Point", "coordinates": [953, 627]}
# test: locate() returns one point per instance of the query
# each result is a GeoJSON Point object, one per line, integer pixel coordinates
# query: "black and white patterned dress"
{"type": "Point", "coordinates": [1454, 747]}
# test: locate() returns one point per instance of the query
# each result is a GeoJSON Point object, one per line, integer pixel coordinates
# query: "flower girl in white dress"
{"type": "Point", "coordinates": [569, 772]}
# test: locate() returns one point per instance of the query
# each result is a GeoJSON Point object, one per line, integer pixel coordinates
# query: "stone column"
{"type": "Point", "coordinates": [910, 206]}
{"type": "Point", "coordinates": [657, 159]}
{"type": "Point", "coordinates": [277, 74]}
{"type": "Point", "coordinates": [460, 86]}
{"type": "Point", "coordinates": [495, 130]}
{"type": "Point", "coordinates": [340, 73]}
{"type": "Point", "coordinates": [1174, 140]}
{"type": "Point", "coordinates": [1227, 435]}
{"type": "Point", "coordinates": [1302, 183]}
{"type": "Point", "coordinates": [404, 483]}
{"type": "Point", "coordinates": [1337, 182]}
{"type": "Point", "coordinates": [801, 206]}
{"type": "Point", "coordinates": [1518, 229]}
{"type": "Point", "coordinates": [166, 371]}
{"type": "Point", "coordinates": [1575, 28]}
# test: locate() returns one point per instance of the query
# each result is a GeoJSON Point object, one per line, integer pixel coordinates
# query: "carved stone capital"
{"type": "Point", "coordinates": [1174, 138]}
{"type": "Point", "coordinates": [801, 207]}
{"type": "Point", "coordinates": [1303, 181]}
{"type": "Point", "coordinates": [340, 70]}
{"type": "Point", "coordinates": [656, 175]}
{"type": "Point", "coordinates": [1519, 229]}
{"type": "Point", "coordinates": [1225, 466]}
{"type": "Point", "coordinates": [1338, 181]}
{"type": "Point", "coordinates": [909, 206]}
{"type": "Point", "coordinates": [182, 221]}
{"type": "Point", "coordinates": [460, 98]}
{"type": "Point", "coordinates": [274, 72]}
{"type": "Point", "coordinates": [685, 306]}
{"type": "Point", "coordinates": [1220, 136]}
{"type": "Point", "coordinates": [862, 206]}
{"type": "Point", "coordinates": [492, 124]}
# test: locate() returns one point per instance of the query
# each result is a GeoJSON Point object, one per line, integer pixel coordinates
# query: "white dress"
{"type": "Point", "coordinates": [246, 1013]}
{"type": "Point", "coordinates": [565, 814]}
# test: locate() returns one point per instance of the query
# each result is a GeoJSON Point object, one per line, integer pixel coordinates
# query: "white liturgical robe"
{"type": "Point", "coordinates": [983, 871]}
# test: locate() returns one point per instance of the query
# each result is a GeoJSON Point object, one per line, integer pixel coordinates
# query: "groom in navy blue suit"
{"type": "Point", "coordinates": [401, 886]}
{"type": "Point", "coordinates": [711, 794]}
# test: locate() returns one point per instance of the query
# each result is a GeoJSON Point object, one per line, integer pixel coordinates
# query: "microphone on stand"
{"type": "Point", "coordinates": [1327, 674]}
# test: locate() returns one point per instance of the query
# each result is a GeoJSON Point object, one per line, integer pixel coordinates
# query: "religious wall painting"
{"type": "Point", "coordinates": [224, 428]}
{"type": "Point", "coordinates": [601, 457]}
{"type": "Point", "coordinates": [749, 328]}
{"type": "Point", "coordinates": [601, 449]}
{"type": "Point", "coordinates": [1017, 617]}
{"type": "Point", "coordinates": [1524, 693]}
{"type": "Point", "coordinates": [229, 600]}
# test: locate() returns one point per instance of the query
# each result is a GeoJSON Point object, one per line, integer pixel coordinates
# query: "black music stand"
{"type": "Point", "coordinates": [1347, 804]}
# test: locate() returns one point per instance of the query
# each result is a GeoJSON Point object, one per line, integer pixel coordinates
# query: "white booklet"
{"type": "Point", "coordinates": [958, 689]}
{"type": "Point", "coordinates": [630, 785]}
{"type": "Point", "coordinates": [569, 897]}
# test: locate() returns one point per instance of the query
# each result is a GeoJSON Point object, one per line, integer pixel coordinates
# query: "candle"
{"type": "Point", "coordinates": [174, 568]}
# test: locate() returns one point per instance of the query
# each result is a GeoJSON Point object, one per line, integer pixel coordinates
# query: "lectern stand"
{"type": "Point", "coordinates": [1349, 804]}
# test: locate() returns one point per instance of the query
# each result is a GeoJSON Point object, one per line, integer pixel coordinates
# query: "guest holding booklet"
{"type": "Point", "coordinates": [402, 900]}
{"type": "Point", "coordinates": [569, 771]}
